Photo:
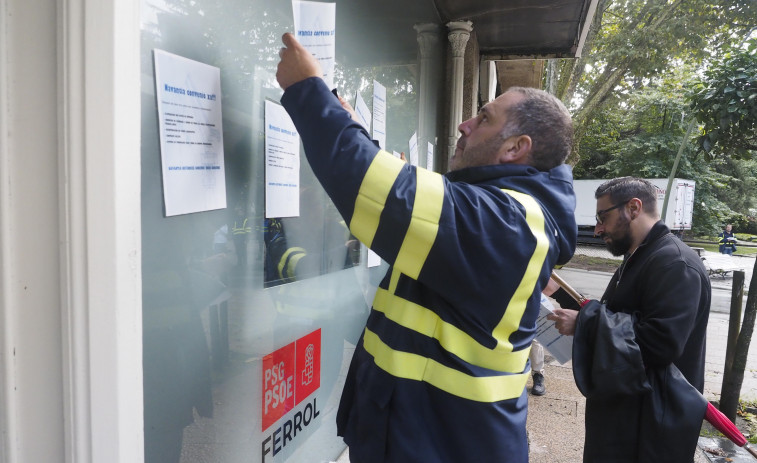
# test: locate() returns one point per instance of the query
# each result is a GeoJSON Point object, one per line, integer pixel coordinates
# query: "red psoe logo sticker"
{"type": "Point", "coordinates": [278, 384]}
{"type": "Point", "coordinates": [290, 375]}
{"type": "Point", "coordinates": [308, 352]}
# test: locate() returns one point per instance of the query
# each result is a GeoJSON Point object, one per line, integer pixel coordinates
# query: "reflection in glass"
{"type": "Point", "coordinates": [315, 243]}
{"type": "Point", "coordinates": [222, 289]}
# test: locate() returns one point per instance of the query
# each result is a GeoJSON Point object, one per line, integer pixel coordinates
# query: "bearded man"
{"type": "Point", "coordinates": [638, 352]}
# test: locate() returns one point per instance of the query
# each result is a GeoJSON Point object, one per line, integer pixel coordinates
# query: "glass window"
{"type": "Point", "coordinates": [249, 323]}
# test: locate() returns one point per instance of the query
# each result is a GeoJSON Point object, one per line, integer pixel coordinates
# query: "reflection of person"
{"type": "Point", "coordinates": [660, 296]}
{"type": "Point", "coordinates": [241, 230]}
{"type": "Point", "coordinates": [727, 242]}
{"type": "Point", "coordinates": [440, 370]}
{"type": "Point", "coordinates": [315, 243]}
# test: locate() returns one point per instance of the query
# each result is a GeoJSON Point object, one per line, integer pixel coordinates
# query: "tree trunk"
{"type": "Point", "coordinates": [734, 327]}
{"type": "Point", "coordinates": [614, 71]}
{"type": "Point", "coordinates": [729, 400]}
{"type": "Point", "coordinates": [571, 70]}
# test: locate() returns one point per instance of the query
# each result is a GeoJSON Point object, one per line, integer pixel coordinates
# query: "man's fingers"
{"type": "Point", "coordinates": [296, 63]}
{"type": "Point", "coordinates": [290, 42]}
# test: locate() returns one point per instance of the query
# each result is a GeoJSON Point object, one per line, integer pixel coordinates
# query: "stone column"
{"type": "Point", "coordinates": [487, 80]}
{"type": "Point", "coordinates": [429, 36]}
{"type": "Point", "coordinates": [459, 33]}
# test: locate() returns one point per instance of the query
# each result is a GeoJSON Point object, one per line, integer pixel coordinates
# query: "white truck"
{"type": "Point", "coordinates": [678, 217]}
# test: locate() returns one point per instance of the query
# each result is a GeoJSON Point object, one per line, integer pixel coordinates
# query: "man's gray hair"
{"type": "Point", "coordinates": [626, 188]}
{"type": "Point", "coordinates": [546, 120]}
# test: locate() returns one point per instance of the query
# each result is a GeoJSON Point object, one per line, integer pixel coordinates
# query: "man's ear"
{"type": "Point", "coordinates": [515, 150]}
{"type": "Point", "coordinates": [635, 207]}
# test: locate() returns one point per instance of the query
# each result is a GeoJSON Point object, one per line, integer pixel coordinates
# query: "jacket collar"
{"type": "Point", "coordinates": [657, 231]}
{"type": "Point", "coordinates": [481, 174]}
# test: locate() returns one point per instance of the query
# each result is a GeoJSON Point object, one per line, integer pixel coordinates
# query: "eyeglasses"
{"type": "Point", "coordinates": [599, 215]}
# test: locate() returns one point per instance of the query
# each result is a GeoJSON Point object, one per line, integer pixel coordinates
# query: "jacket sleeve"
{"type": "Point", "coordinates": [607, 362]}
{"type": "Point", "coordinates": [438, 232]}
{"type": "Point", "coordinates": [606, 358]}
{"type": "Point", "coordinates": [671, 300]}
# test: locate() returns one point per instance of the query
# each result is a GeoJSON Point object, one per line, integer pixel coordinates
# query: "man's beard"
{"type": "Point", "coordinates": [621, 244]}
{"type": "Point", "coordinates": [482, 154]}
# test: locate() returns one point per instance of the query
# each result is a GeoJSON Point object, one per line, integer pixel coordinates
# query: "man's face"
{"type": "Point", "coordinates": [728, 228]}
{"type": "Point", "coordinates": [615, 228]}
{"type": "Point", "coordinates": [481, 140]}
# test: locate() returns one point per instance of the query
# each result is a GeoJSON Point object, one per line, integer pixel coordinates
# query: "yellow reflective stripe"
{"type": "Point", "coordinates": [283, 261]}
{"type": "Point", "coordinates": [241, 230]}
{"type": "Point", "coordinates": [450, 337]}
{"type": "Point", "coordinates": [424, 223]}
{"type": "Point", "coordinates": [371, 198]}
{"type": "Point", "coordinates": [394, 279]}
{"type": "Point", "coordinates": [291, 266]}
{"type": "Point", "coordinates": [517, 305]}
{"type": "Point", "coordinates": [416, 367]}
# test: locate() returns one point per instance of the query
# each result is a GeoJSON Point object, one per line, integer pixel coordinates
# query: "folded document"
{"type": "Point", "coordinates": [559, 346]}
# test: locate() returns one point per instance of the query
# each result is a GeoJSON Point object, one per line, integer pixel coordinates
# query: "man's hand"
{"type": "Point", "coordinates": [296, 63]}
{"type": "Point", "coordinates": [565, 321]}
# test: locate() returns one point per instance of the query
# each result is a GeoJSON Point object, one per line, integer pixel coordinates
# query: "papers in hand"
{"type": "Point", "coordinates": [561, 347]}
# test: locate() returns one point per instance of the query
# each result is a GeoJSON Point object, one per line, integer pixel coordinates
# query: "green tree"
{"type": "Point", "coordinates": [725, 103]}
{"type": "Point", "coordinates": [634, 41]}
{"type": "Point", "coordinates": [642, 139]}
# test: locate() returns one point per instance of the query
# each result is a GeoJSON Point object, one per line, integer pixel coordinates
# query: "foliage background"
{"type": "Point", "coordinates": [631, 98]}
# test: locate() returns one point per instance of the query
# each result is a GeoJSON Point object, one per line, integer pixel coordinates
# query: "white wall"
{"type": "Point", "coordinates": [70, 326]}
{"type": "Point", "coordinates": [31, 350]}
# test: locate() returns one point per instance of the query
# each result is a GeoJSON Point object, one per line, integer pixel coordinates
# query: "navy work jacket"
{"type": "Point", "coordinates": [439, 372]}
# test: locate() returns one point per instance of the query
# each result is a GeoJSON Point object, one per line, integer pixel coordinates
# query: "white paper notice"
{"type": "Point", "coordinates": [430, 157]}
{"type": "Point", "coordinates": [379, 114]}
{"type": "Point", "coordinates": [282, 163]}
{"type": "Point", "coordinates": [191, 135]}
{"type": "Point", "coordinates": [373, 259]}
{"type": "Point", "coordinates": [315, 29]}
{"type": "Point", "coordinates": [561, 347]}
{"type": "Point", "coordinates": [363, 113]}
{"type": "Point", "coordinates": [396, 154]}
{"type": "Point", "coordinates": [414, 149]}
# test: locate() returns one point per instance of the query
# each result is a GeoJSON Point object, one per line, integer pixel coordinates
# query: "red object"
{"type": "Point", "coordinates": [724, 425]}
{"type": "Point", "coordinates": [290, 374]}
{"type": "Point", "coordinates": [278, 384]}
{"type": "Point", "coordinates": [307, 365]}
{"type": "Point", "coordinates": [729, 430]}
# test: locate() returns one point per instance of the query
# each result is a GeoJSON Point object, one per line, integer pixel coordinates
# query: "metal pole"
{"type": "Point", "coordinates": [675, 168]}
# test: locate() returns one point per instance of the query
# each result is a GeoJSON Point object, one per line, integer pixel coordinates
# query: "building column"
{"type": "Point", "coordinates": [429, 35]}
{"type": "Point", "coordinates": [487, 81]}
{"type": "Point", "coordinates": [459, 33]}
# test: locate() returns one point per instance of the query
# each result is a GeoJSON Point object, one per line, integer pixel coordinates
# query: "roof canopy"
{"type": "Point", "coordinates": [504, 28]}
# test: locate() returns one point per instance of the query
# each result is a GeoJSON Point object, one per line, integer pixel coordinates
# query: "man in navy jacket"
{"type": "Point", "coordinates": [440, 370]}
